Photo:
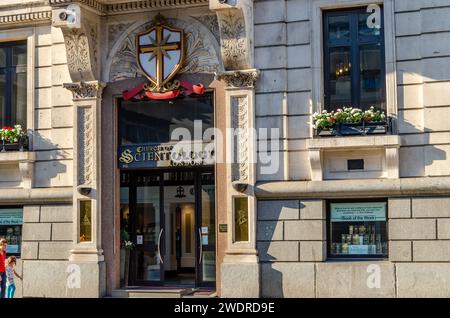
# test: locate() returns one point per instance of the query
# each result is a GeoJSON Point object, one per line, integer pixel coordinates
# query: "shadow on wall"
{"type": "Point", "coordinates": [416, 151]}
{"type": "Point", "coordinates": [49, 166]}
{"type": "Point", "coordinates": [267, 232]}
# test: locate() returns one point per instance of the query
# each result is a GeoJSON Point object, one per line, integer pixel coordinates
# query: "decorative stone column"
{"type": "Point", "coordinates": [240, 269]}
{"type": "Point", "coordinates": [87, 103]}
{"type": "Point", "coordinates": [82, 49]}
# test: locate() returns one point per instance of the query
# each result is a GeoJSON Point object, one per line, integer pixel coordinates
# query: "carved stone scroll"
{"type": "Point", "coordinates": [240, 167]}
{"type": "Point", "coordinates": [236, 34]}
{"type": "Point", "coordinates": [82, 44]}
{"type": "Point", "coordinates": [85, 146]}
{"type": "Point", "coordinates": [202, 47]}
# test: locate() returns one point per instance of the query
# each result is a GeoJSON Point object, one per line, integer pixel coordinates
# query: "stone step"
{"type": "Point", "coordinates": [201, 294]}
{"type": "Point", "coordinates": [156, 292]}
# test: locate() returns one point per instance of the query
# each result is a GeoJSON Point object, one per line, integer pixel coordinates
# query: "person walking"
{"type": "Point", "coordinates": [10, 272]}
{"type": "Point", "coordinates": [3, 246]}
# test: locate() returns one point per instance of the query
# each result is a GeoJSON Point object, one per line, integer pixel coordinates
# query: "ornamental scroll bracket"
{"type": "Point", "coordinates": [239, 79]}
{"type": "Point", "coordinates": [236, 33]}
{"type": "Point", "coordinates": [85, 90]}
{"type": "Point", "coordinates": [80, 28]}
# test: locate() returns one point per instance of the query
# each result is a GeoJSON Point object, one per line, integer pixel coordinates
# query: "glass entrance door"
{"type": "Point", "coordinates": [147, 229]}
{"type": "Point", "coordinates": [206, 230]}
{"type": "Point", "coordinates": [170, 217]}
{"type": "Point", "coordinates": [179, 212]}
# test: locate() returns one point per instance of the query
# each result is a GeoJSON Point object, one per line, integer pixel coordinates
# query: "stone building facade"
{"type": "Point", "coordinates": [264, 64]}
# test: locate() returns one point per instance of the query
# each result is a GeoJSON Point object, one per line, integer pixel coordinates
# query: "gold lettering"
{"type": "Point", "coordinates": [138, 155]}
{"type": "Point", "coordinates": [126, 157]}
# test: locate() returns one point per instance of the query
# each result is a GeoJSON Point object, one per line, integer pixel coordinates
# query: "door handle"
{"type": "Point", "coordinates": [201, 246]}
{"type": "Point", "coordinates": [159, 245]}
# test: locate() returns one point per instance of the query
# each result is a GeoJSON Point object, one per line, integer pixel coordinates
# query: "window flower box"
{"type": "Point", "coordinates": [350, 129]}
{"type": "Point", "coordinates": [14, 147]}
{"type": "Point", "coordinates": [13, 139]}
{"type": "Point", "coordinates": [351, 121]}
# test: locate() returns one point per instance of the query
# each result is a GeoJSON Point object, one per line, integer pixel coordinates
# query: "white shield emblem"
{"type": "Point", "coordinates": [160, 53]}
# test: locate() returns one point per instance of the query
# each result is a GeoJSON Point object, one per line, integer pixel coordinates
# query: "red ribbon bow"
{"type": "Point", "coordinates": [188, 89]}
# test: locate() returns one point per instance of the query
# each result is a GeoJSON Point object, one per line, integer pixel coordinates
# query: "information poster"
{"type": "Point", "coordinates": [14, 249]}
{"type": "Point", "coordinates": [11, 216]}
{"type": "Point", "coordinates": [358, 212]}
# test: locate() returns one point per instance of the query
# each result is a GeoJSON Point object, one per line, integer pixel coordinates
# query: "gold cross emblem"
{"type": "Point", "coordinates": [154, 54]}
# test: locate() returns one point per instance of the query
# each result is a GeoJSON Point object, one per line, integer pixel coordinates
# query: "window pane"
{"type": "Point", "coordinates": [147, 214]}
{"type": "Point", "coordinates": [339, 28]}
{"type": "Point", "coordinates": [148, 265]}
{"type": "Point", "coordinates": [208, 214]}
{"type": "Point", "coordinates": [241, 219]}
{"type": "Point", "coordinates": [148, 231]}
{"type": "Point", "coordinates": [358, 229]}
{"type": "Point", "coordinates": [85, 221]}
{"type": "Point", "coordinates": [19, 99]}
{"type": "Point", "coordinates": [124, 224]}
{"type": "Point", "coordinates": [2, 99]}
{"type": "Point", "coordinates": [209, 266]}
{"type": "Point", "coordinates": [153, 121]}
{"type": "Point", "coordinates": [371, 81]}
{"type": "Point", "coordinates": [19, 54]}
{"type": "Point", "coordinates": [2, 57]}
{"type": "Point", "coordinates": [367, 29]}
{"type": "Point", "coordinates": [340, 78]}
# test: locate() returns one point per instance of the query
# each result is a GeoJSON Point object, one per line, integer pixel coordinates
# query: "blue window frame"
{"type": "Point", "coordinates": [353, 60]}
{"type": "Point", "coordinates": [13, 83]}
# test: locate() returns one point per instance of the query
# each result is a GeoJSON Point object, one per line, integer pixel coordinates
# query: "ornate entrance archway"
{"type": "Point", "coordinates": [221, 57]}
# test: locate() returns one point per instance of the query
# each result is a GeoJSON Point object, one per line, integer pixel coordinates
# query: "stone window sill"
{"type": "Point", "coordinates": [379, 141]}
{"type": "Point", "coordinates": [16, 169]}
{"type": "Point", "coordinates": [328, 157]}
{"type": "Point", "coordinates": [16, 156]}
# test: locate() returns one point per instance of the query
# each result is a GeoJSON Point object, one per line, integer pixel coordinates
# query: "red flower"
{"type": "Point", "coordinates": [7, 128]}
{"type": "Point", "coordinates": [331, 120]}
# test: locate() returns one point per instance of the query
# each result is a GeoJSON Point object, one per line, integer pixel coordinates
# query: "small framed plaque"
{"type": "Point", "coordinates": [223, 228]}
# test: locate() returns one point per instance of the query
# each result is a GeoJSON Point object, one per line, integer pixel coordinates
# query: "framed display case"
{"type": "Point", "coordinates": [11, 220]}
{"type": "Point", "coordinates": [357, 229]}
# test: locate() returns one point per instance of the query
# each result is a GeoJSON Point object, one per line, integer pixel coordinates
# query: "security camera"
{"type": "Point", "coordinates": [239, 186]}
{"type": "Point", "coordinates": [84, 190]}
{"type": "Point", "coordinates": [222, 4]}
{"type": "Point", "coordinates": [63, 15]}
{"type": "Point", "coordinates": [68, 17]}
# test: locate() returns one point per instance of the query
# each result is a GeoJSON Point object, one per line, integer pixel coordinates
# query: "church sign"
{"type": "Point", "coordinates": [152, 156]}
{"type": "Point", "coordinates": [160, 53]}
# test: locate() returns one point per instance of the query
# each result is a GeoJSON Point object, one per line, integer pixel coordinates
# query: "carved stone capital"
{"type": "Point", "coordinates": [236, 33]}
{"type": "Point", "coordinates": [85, 90]}
{"type": "Point", "coordinates": [239, 79]}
